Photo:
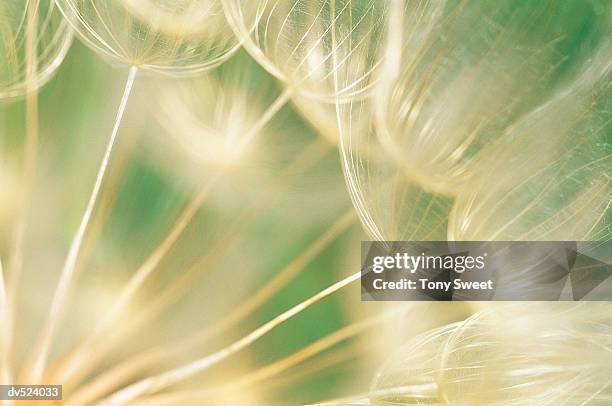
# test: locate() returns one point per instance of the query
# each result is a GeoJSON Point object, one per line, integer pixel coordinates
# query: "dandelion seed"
{"type": "Point", "coordinates": [136, 33]}
{"type": "Point", "coordinates": [297, 41]}
{"type": "Point", "coordinates": [322, 51]}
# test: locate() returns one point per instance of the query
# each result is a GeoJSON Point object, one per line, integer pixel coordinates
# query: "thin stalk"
{"type": "Point", "coordinates": [158, 382]}
{"type": "Point", "coordinates": [309, 351]}
{"type": "Point", "coordinates": [286, 363]}
{"type": "Point", "coordinates": [145, 271]}
{"type": "Point", "coordinates": [299, 373]}
{"type": "Point", "coordinates": [132, 366]}
{"type": "Point", "coordinates": [270, 112]}
{"type": "Point", "coordinates": [66, 277]}
{"type": "Point", "coordinates": [278, 282]}
{"type": "Point", "coordinates": [112, 183]}
{"type": "Point", "coordinates": [273, 369]}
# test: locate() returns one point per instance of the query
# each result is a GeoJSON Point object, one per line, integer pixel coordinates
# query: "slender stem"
{"type": "Point", "coordinates": [156, 383]}
{"type": "Point", "coordinates": [295, 358]}
{"type": "Point", "coordinates": [275, 368]}
{"type": "Point", "coordinates": [66, 277]}
{"type": "Point", "coordinates": [270, 112]}
{"type": "Point", "coordinates": [288, 273]}
{"type": "Point", "coordinates": [323, 364]}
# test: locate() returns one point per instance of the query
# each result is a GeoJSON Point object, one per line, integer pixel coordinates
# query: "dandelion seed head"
{"type": "Point", "coordinates": [171, 37]}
